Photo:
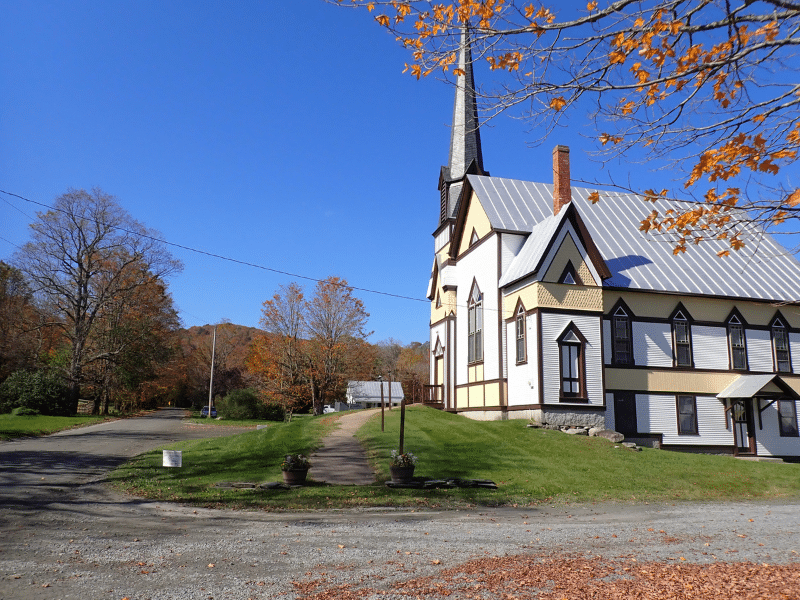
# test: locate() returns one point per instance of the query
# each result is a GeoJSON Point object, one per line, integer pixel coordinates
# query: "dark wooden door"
{"type": "Point", "coordinates": [743, 426]}
{"type": "Point", "coordinates": [625, 413]}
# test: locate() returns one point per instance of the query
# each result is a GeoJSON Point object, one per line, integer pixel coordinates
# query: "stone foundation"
{"type": "Point", "coordinates": [555, 417]}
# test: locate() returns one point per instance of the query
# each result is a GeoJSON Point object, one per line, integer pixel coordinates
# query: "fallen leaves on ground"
{"type": "Point", "coordinates": [577, 577]}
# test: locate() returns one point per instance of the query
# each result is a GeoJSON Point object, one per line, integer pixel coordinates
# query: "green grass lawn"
{"type": "Point", "coordinates": [12, 426]}
{"type": "Point", "coordinates": [530, 466]}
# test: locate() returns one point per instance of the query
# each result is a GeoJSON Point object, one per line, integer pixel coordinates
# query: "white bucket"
{"type": "Point", "coordinates": [173, 458]}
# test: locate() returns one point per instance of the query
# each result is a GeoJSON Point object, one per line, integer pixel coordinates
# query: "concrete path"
{"type": "Point", "coordinates": [341, 460]}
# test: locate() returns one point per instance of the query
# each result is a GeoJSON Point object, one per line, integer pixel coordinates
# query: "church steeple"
{"type": "Point", "coordinates": [465, 137]}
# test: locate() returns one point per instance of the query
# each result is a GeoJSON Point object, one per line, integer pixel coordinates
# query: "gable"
{"type": "Point", "coordinates": [568, 252]}
{"type": "Point", "coordinates": [475, 224]}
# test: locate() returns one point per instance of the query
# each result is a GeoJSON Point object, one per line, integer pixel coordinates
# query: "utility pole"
{"type": "Point", "coordinates": [211, 381]}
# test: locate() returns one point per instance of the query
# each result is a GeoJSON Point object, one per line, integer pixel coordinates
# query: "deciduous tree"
{"type": "Point", "coordinates": [85, 254]}
{"type": "Point", "coordinates": [709, 89]}
{"type": "Point", "coordinates": [316, 344]}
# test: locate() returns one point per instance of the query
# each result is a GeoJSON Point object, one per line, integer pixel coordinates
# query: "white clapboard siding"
{"type": "Point", "coordinates": [607, 341]}
{"type": "Point", "coordinates": [523, 380]}
{"type": "Point", "coordinates": [510, 245]}
{"type": "Point", "coordinates": [481, 265]}
{"type": "Point", "coordinates": [553, 325]}
{"type": "Point", "coordinates": [794, 350]}
{"type": "Point", "coordinates": [710, 347]}
{"type": "Point", "coordinates": [610, 419]}
{"type": "Point", "coordinates": [658, 413]}
{"type": "Point", "coordinates": [441, 239]}
{"type": "Point", "coordinates": [769, 441]}
{"type": "Point", "coordinates": [759, 350]}
{"type": "Point", "coordinates": [652, 344]}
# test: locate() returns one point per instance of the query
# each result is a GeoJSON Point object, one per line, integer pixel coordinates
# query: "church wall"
{"type": "Point", "coordinates": [710, 347]}
{"type": "Point", "coordinates": [667, 380]}
{"type": "Point", "coordinates": [652, 344]}
{"type": "Point", "coordinates": [523, 379]}
{"type": "Point", "coordinates": [553, 325]}
{"type": "Point", "coordinates": [657, 413]}
{"type": "Point", "coordinates": [768, 440]}
{"type": "Point", "coordinates": [709, 310]}
{"type": "Point", "coordinates": [759, 350]}
{"type": "Point", "coordinates": [479, 264]}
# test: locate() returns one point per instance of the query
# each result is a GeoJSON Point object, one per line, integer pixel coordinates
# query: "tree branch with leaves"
{"type": "Point", "coordinates": [707, 89]}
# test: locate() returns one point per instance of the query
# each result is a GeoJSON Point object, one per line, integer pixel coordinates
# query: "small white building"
{"type": "Point", "coordinates": [368, 393]}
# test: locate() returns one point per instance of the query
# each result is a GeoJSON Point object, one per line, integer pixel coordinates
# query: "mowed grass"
{"type": "Point", "coordinates": [12, 426]}
{"type": "Point", "coordinates": [530, 466]}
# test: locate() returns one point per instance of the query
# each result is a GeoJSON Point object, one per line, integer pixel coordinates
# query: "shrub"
{"type": "Point", "coordinates": [246, 404]}
{"type": "Point", "coordinates": [42, 391]}
{"type": "Point", "coordinates": [23, 411]}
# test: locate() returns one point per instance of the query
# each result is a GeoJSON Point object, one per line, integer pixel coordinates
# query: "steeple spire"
{"type": "Point", "coordinates": [465, 137]}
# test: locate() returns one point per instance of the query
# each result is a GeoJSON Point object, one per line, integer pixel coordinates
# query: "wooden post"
{"type": "Point", "coordinates": [382, 406]}
{"type": "Point", "coordinates": [402, 423]}
{"type": "Point", "coordinates": [390, 393]}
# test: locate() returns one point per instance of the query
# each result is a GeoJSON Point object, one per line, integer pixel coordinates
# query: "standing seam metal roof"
{"type": "Point", "coordinates": [762, 271]}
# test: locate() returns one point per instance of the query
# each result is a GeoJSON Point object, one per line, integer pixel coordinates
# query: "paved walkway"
{"type": "Point", "coordinates": [342, 460]}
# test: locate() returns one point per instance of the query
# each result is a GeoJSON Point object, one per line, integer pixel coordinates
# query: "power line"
{"type": "Point", "coordinates": [225, 258]}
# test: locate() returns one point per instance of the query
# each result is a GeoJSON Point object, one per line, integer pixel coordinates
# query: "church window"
{"type": "Point", "coordinates": [622, 350]}
{"type": "Point", "coordinates": [520, 334]}
{"type": "Point", "coordinates": [571, 357]}
{"type": "Point", "coordinates": [570, 276]}
{"type": "Point", "coordinates": [475, 326]}
{"type": "Point", "coordinates": [780, 346]}
{"type": "Point", "coordinates": [438, 300]}
{"type": "Point", "coordinates": [737, 343]}
{"type": "Point", "coordinates": [687, 415]}
{"type": "Point", "coordinates": [474, 238]}
{"type": "Point", "coordinates": [787, 418]}
{"type": "Point", "coordinates": [682, 337]}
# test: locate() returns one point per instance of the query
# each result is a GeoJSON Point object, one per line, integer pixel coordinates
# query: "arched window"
{"type": "Point", "coordinates": [571, 358]}
{"type": "Point", "coordinates": [780, 346]}
{"type": "Point", "coordinates": [520, 334]}
{"type": "Point", "coordinates": [682, 339]}
{"type": "Point", "coordinates": [737, 343]}
{"type": "Point", "coordinates": [622, 349]}
{"type": "Point", "coordinates": [475, 325]}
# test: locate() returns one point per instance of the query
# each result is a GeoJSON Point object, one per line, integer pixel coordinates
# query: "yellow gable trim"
{"type": "Point", "coordinates": [476, 219]}
{"type": "Point", "coordinates": [568, 251]}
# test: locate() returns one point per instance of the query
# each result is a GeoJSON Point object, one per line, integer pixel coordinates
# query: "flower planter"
{"type": "Point", "coordinates": [297, 477]}
{"type": "Point", "coordinates": [402, 474]}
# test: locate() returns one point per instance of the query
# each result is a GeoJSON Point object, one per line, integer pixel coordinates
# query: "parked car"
{"type": "Point", "coordinates": [328, 409]}
{"type": "Point", "coordinates": [204, 411]}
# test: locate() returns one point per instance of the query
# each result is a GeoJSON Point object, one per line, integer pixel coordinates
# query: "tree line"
{"type": "Point", "coordinates": [86, 313]}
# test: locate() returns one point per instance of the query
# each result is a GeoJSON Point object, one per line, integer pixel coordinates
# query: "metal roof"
{"type": "Point", "coordinates": [370, 391]}
{"type": "Point", "coordinates": [762, 270]}
{"type": "Point", "coordinates": [747, 386]}
{"type": "Point", "coordinates": [532, 250]}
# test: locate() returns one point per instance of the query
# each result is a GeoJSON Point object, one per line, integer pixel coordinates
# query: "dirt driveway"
{"type": "Point", "coordinates": [63, 534]}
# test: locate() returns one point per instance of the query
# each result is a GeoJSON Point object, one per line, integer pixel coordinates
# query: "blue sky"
{"type": "Point", "coordinates": [277, 133]}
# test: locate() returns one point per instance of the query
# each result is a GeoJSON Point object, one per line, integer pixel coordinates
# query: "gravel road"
{"type": "Point", "coordinates": [63, 534]}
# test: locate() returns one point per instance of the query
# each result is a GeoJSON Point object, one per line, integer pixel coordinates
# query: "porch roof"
{"type": "Point", "coordinates": [749, 386]}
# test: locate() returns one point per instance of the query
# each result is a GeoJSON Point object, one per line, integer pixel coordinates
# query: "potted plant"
{"type": "Point", "coordinates": [402, 466]}
{"type": "Point", "coordinates": [295, 468]}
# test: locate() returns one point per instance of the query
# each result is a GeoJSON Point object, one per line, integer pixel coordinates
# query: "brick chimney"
{"type": "Point", "coordinates": [562, 191]}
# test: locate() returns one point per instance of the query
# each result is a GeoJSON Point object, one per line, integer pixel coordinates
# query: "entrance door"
{"type": "Point", "coordinates": [743, 426]}
{"type": "Point", "coordinates": [625, 413]}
